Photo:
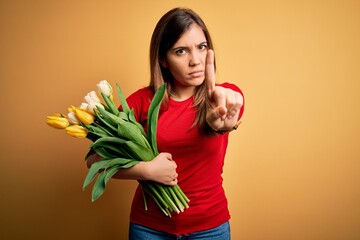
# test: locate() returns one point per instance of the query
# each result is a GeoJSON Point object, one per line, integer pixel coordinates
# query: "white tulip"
{"type": "Point", "coordinates": [93, 105]}
{"type": "Point", "coordinates": [92, 97]}
{"type": "Point", "coordinates": [72, 118]}
{"type": "Point", "coordinates": [105, 88]}
{"type": "Point", "coordinates": [83, 106]}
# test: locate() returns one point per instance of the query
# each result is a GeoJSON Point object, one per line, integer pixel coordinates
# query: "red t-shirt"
{"type": "Point", "coordinates": [199, 160]}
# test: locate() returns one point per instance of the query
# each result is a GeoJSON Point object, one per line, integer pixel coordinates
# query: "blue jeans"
{"type": "Point", "coordinates": [138, 232]}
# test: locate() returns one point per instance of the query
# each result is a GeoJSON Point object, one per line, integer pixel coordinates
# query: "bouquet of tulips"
{"type": "Point", "coordinates": [121, 141]}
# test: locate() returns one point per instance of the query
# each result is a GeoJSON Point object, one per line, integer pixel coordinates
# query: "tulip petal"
{"type": "Point", "coordinates": [76, 131]}
{"type": "Point", "coordinates": [57, 121]}
{"type": "Point", "coordinates": [84, 116]}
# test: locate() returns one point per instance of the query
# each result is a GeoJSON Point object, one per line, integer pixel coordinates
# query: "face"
{"type": "Point", "coordinates": [186, 59]}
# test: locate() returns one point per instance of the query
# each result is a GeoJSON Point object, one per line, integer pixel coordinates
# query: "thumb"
{"type": "Point", "coordinates": [166, 155]}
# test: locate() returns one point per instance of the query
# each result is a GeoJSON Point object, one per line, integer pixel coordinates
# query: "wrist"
{"type": "Point", "coordinates": [223, 131]}
{"type": "Point", "coordinates": [142, 170]}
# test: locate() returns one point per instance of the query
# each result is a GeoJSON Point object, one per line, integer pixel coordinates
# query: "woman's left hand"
{"type": "Point", "coordinates": [225, 103]}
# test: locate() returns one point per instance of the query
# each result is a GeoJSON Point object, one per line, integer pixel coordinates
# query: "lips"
{"type": "Point", "coordinates": [196, 74]}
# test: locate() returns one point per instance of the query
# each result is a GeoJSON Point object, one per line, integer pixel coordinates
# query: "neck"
{"type": "Point", "coordinates": [181, 94]}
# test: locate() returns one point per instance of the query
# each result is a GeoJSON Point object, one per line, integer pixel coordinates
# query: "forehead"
{"type": "Point", "coordinates": [193, 35]}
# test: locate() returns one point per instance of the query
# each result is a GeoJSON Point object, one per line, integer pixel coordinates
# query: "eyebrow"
{"type": "Point", "coordinates": [185, 47]}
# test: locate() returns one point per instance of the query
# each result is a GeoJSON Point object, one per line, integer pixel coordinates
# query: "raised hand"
{"type": "Point", "coordinates": [225, 103]}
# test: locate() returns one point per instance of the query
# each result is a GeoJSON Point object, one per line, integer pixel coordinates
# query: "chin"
{"type": "Point", "coordinates": [196, 81]}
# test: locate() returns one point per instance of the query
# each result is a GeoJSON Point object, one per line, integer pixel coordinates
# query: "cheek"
{"type": "Point", "coordinates": [176, 69]}
{"type": "Point", "coordinates": [203, 57]}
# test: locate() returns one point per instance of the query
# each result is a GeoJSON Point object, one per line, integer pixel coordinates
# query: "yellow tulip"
{"type": "Point", "coordinates": [57, 121]}
{"type": "Point", "coordinates": [84, 116]}
{"type": "Point", "coordinates": [76, 131]}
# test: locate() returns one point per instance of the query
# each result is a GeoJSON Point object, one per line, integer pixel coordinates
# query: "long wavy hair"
{"type": "Point", "coordinates": [166, 33]}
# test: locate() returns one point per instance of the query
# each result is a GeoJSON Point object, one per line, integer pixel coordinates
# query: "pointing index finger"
{"type": "Point", "coordinates": [210, 72]}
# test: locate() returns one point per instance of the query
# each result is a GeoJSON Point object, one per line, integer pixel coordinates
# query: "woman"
{"type": "Point", "coordinates": [194, 120]}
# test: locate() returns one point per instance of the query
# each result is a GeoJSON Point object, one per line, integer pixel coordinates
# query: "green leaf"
{"type": "Point", "coordinates": [103, 153]}
{"type": "Point", "coordinates": [99, 186]}
{"type": "Point", "coordinates": [107, 164]}
{"type": "Point", "coordinates": [111, 128]}
{"type": "Point", "coordinates": [130, 131]}
{"type": "Point", "coordinates": [133, 120]}
{"type": "Point", "coordinates": [111, 145]}
{"type": "Point", "coordinates": [103, 129]}
{"type": "Point", "coordinates": [116, 166]}
{"type": "Point", "coordinates": [113, 109]}
{"type": "Point", "coordinates": [132, 116]}
{"type": "Point", "coordinates": [121, 162]}
{"type": "Point", "coordinates": [110, 118]}
{"type": "Point", "coordinates": [94, 169]}
{"type": "Point", "coordinates": [124, 105]}
{"type": "Point", "coordinates": [124, 116]}
{"type": "Point", "coordinates": [105, 141]}
{"type": "Point", "coordinates": [153, 114]}
{"type": "Point", "coordinates": [139, 152]}
{"type": "Point", "coordinates": [97, 130]}
{"type": "Point", "coordinates": [130, 164]}
{"type": "Point", "coordinates": [110, 173]}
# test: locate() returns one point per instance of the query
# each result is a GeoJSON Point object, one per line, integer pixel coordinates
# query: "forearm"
{"type": "Point", "coordinates": [161, 169]}
{"type": "Point", "coordinates": [135, 172]}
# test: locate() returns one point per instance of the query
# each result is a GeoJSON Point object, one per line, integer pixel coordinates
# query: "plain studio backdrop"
{"type": "Point", "coordinates": [292, 168]}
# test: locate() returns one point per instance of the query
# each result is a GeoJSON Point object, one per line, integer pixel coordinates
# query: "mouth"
{"type": "Point", "coordinates": [196, 74]}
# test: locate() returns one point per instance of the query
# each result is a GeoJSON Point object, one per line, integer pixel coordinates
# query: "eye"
{"type": "Point", "coordinates": [180, 51]}
{"type": "Point", "coordinates": [203, 46]}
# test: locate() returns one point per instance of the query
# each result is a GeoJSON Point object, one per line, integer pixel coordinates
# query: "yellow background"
{"type": "Point", "coordinates": [292, 169]}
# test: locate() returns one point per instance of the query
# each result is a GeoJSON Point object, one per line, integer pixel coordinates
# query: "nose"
{"type": "Point", "coordinates": [194, 59]}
